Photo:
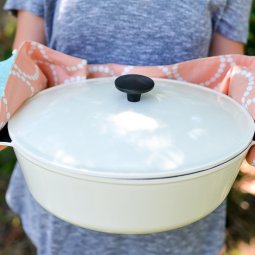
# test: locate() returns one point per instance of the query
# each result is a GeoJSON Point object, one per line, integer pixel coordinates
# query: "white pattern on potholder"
{"type": "Point", "coordinates": [101, 69]}
{"type": "Point", "coordinates": [74, 68]}
{"type": "Point", "coordinates": [166, 71]}
{"type": "Point", "coordinates": [75, 79]}
{"type": "Point", "coordinates": [176, 74]}
{"type": "Point", "coordinates": [127, 70]}
{"type": "Point", "coordinates": [218, 73]}
{"type": "Point", "coordinates": [249, 76]}
{"type": "Point", "coordinates": [26, 77]}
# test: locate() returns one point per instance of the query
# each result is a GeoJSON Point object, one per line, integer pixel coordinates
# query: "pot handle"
{"type": "Point", "coordinates": [5, 139]}
{"type": "Point", "coordinates": [250, 157]}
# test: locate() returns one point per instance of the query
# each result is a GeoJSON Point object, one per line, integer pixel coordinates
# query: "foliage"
{"type": "Point", "coordinates": [250, 48]}
{"type": "Point", "coordinates": [7, 30]}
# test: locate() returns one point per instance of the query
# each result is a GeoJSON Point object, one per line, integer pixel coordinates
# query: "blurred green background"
{"type": "Point", "coordinates": [241, 201]}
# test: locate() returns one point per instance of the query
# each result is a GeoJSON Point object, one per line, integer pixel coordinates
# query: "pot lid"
{"type": "Point", "coordinates": [90, 127]}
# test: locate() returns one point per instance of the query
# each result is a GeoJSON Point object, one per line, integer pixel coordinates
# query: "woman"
{"type": "Point", "coordinates": [143, 32]}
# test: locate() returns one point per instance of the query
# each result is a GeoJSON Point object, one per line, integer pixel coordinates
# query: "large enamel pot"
{"type": "Point", "coordinates": [99, 161]}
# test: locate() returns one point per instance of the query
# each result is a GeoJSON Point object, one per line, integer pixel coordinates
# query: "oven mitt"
{"type": "Point", "coordinates": [31, 69]}
{"type": "Point", "coordinates": [34, 67]}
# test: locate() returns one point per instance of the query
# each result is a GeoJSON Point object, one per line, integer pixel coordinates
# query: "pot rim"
{"type": "Point", "coordinates": [86, 173]}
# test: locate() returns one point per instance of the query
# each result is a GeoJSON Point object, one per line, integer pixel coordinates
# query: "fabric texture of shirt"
{"type": "Point", "coordinates": [144, 32]}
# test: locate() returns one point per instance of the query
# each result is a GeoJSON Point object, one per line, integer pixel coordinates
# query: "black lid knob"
{"type": "Point", "coordinates": [134, 85]}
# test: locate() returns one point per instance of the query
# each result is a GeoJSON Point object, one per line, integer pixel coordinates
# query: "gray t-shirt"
{"type": "Point", "coordinates": [144, 32]}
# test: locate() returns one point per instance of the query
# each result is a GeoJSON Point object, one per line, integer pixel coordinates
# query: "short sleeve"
{"type": "Point", "coordinates": [33, 6]}
{"type": "Point", "coordinates": [232, 21]}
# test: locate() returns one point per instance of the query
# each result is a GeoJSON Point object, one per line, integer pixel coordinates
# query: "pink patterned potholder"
{"type": "Point", "coordinates": [35, 67]}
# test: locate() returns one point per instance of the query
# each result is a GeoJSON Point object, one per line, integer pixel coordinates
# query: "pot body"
{"type": "Point", "coordinates": [130, 168]}
{"type": "Point", "coordinates": [129, 206]}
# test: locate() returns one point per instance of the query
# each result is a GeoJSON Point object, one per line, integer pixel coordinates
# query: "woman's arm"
{"type": "Point", "coordinates": [29, 27]}
{"type": "Point", "coordinates": [221, 45]}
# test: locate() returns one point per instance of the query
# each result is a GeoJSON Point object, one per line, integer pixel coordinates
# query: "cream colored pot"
{"type": "Point", "coordinates": [99, 161]}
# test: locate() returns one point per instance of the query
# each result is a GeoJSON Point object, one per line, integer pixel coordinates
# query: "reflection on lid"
{"type": "Point", "coordinates": [64, 158]}
{"type": "Point", "coordinates": [131, 121]}
{"type": "Point", "coordinates": [196, 133]}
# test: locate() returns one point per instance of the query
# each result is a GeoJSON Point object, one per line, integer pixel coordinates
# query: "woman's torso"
{"type": "Point", "coordinates": [144, 32]}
